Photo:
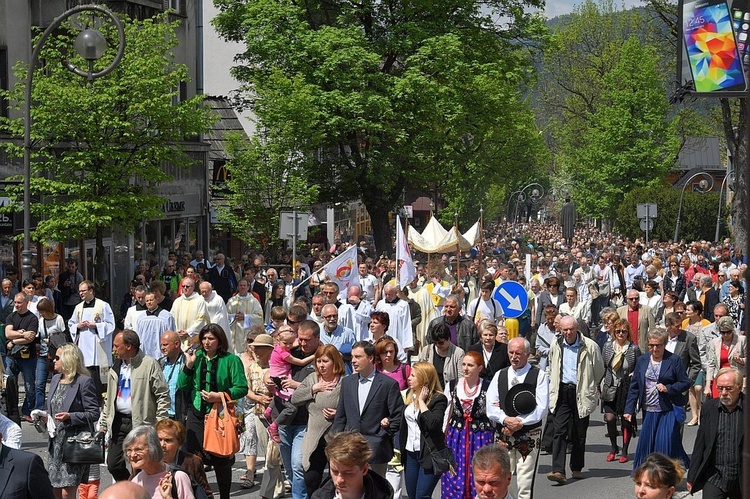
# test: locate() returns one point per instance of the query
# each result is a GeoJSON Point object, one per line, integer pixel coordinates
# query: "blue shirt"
{"type": "Point", "coordinates": [570, 361]}
{"type": "Point", "coordinates": [171, 373]}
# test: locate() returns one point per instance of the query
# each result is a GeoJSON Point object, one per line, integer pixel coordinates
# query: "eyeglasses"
{"type": "Point", "coordinates": [135, 451]}
{"type": "Point", "coordinates": [634, 299]}
{"type": "Point", "coordinates": [84, 290]}
{"type": "Point", "coordinates": [291, 322]}
{"type": "Point", "coordinates": [655, 345]}
{"type": "Point", "coordinates": [724, 388]}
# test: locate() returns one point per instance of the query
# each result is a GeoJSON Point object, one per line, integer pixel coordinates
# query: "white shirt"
{"type": "Point", "coordinates": [12, 433]}
{"type": "Point", "coordinates": [124, 403]}
{"type": "Point", "coordinates": [498, 415]}
{"type": "Point", "coordinates": [363, 389]}
{"type": "Point", "coordinates": [411, 414]}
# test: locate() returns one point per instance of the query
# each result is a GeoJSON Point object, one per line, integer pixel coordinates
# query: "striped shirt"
{"type": "Point", "coordinates": [727, 456]}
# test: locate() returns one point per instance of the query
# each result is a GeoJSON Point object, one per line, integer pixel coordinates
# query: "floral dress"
{"type": "Point", "coordinates": [469, 428]}
{"type": "Point", "coordinates": [62, 474]}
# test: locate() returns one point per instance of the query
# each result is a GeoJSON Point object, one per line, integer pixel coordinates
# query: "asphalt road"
{"type": "Point", "coordinates": [601, 478]}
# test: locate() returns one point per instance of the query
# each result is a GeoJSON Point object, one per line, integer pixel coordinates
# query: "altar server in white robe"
{"type": "Point", "coordinates": [91, 327]}
{"type": "Point", "coordinates": [189, 311]}
{"type": "Point", "coordinates": [151, 325]}
{"type": "Point", "coordinates": [244, 312]}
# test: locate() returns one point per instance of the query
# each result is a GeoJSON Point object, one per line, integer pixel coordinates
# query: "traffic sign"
{"type": "Point", "coordinates": [646, 210]}
{"type": "Point", "coordinates": [512, 298]}
{"type": "Point", "coordinates": [647, 224]}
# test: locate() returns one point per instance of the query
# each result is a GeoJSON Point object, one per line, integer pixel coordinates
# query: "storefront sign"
{"type": "Point", "coordinates": [179, 206]}
{"type": "Point", "coordinates": [6, 219]}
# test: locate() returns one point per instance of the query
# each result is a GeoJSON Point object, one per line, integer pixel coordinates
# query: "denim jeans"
{"type": "Point", "coordinates": [28, 368]}
{"type": "Point", "coordinates": [419, 482]}
{"type": "Point", "coordinates": [291, 455]}
{"type": "Point", "coordinates": [41, 382]}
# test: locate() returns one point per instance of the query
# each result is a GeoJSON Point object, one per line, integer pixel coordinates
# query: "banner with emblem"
{"type": "Point", "coordinates": [343, 270]}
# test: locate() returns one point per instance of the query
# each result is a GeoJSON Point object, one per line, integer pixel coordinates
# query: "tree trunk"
{"type": "Point", "coordinates": [737, 140]}
{"type": "Point", "coordinates": [101, 285]}
{"type": "Point", "coordinates": [381, 228]}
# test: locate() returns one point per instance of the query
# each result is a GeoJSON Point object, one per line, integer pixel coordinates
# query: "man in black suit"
{"type": "Point", "coordinates": [23, 476]}
{"type": "Point", "coordinates": [248, 272]}
{"type": "Point", "coordinates": [716, 463]}
{"type": "Point", "coordinates": [371, 404]}
{"type": "Point", "coordinates": [495, 354]}
{"type": "Point", "coordinates": [711, 297]}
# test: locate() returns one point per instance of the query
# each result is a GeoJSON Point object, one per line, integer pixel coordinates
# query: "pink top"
{"type": "Point", "coordinates": [399, 375]}
{"type": "Point", "coordinates": [278, 366]}
{"type": "Point", "coordinates": [151, 484]}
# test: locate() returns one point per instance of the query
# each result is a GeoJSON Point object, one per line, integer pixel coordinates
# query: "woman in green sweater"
{"type": "Point", "coordinates": [210, 373]}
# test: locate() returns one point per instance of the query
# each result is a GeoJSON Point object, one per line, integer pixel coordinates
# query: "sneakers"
{"type": "Point", "coordinates": [558, 477]}
{"type": "Point", "coordinates": [273, 432]}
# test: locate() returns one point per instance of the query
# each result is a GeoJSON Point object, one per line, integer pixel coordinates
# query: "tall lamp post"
{"type": "Point", "coordinates": [705, 185]}
{"type": "Point", "coordinates": [91, 45]}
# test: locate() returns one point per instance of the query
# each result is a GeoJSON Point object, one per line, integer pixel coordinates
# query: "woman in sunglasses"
{"type": "Point", "coordinates": [619, 356]}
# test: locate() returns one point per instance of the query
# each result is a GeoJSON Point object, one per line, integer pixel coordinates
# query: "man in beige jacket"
{"type": "Point", "coordinates": [575, 369]}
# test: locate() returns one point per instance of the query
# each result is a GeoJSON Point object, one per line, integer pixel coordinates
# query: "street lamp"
{"type": "Point", "coordinates": [91, 45]}
{"type": "Point", "coordinates": [537, 193]}
{"type": "Point", "coordinates": [706, 184]}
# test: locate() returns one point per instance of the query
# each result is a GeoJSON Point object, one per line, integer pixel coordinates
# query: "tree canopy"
{"type": "Point", "coordinates": [101, 148]}
{"type": "Point", "coordinates": [607, 110]}
{"type": "Point", "coordinates": [383, 96]}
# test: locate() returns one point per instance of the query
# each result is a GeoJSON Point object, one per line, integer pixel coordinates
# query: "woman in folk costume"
{"type": "Point", "coordinates": [469, 428]}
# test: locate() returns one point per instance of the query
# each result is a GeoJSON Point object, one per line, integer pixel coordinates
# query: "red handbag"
{"type": "Point", "coordinates": [220, 435]}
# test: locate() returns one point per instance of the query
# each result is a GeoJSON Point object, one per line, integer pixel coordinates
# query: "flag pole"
{"type": "Point", "coordinates": [458, 246]}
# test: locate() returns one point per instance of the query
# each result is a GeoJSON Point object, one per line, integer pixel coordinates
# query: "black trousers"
{"type": "Point", "coordinates": [98, 386]}
{"type": "Point", "coordinates": [116, 462]}
{"type": "Point", "coordinates": [194, 445]}
{"type": "Point", "coordinates": [711, 491]}
{"type": "Point", "coordinates": [314, 474]}
{"type": "Point", "coordinates": [568, 427]}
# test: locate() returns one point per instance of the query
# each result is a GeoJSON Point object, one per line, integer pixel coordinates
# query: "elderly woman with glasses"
{"type": "Point", "coordinates": [145, 453]}
{"type": "Point", "coordinates": [619, 356]}
{"type": "Point", "coordinates": [728, 350]}
{"type": "Point", "coordinates": [658, 386]}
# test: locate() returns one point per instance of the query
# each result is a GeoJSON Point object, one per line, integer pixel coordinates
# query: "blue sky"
{"type": "Point", "coordinates": [558, 7]}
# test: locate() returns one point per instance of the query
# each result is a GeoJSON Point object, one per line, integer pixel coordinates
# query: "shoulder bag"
{"type": "Point", "coordinates": [220, 435]}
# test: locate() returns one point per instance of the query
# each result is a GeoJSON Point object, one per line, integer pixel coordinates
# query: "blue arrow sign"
{"type": "Point", "coordinates": [512, 297]}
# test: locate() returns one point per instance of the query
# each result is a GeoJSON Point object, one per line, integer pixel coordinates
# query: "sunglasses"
{"type": "Point", "coordinates": [621, 331]}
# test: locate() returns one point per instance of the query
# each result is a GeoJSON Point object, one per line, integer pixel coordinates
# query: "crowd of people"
{"type": "Point", "coordinates": [405, 387]}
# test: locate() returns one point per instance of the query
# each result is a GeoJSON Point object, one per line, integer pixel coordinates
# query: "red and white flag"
{"type": "Point", "coordinates": [343, 270]}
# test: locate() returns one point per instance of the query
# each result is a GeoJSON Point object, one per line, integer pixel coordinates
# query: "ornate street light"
{"type": "Point", "coordinates": [705, 185]}
{"type": "Point", "coordinates": [91, 45]}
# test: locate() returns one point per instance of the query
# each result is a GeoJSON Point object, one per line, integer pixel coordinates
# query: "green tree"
{"type": "Point", "coordinates": [606, 109]}
{"type": "Point", "coordinates": [698, 220]}
{"type": "Point", "coordinates": [101, 148]}
{"type": "Point", "coordinates": [627, 142]}
{"type": "Point", "coordinates": [385, 95]}
{"type": "Point", "coordinates": [263, 180]}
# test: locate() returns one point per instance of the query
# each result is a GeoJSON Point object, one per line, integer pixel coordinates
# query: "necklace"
{"type": "Point", "coordinates": [469, 393]}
